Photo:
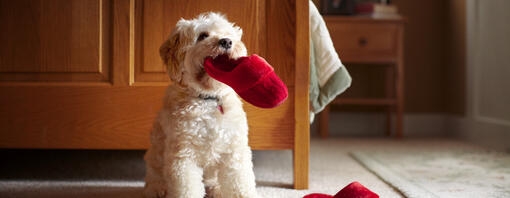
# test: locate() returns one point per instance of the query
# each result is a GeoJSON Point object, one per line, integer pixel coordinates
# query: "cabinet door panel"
{"type": "Point", "coordinates": [54, 40]}
{"type": "Point", "coordinates": [57, 79]}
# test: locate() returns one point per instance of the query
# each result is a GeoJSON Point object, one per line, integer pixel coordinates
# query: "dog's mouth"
{"type": "Point", "coordinates": [223, 62]}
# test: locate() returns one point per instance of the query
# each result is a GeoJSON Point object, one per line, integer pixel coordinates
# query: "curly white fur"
{"type": "Point", "coordinates": [199, 142]}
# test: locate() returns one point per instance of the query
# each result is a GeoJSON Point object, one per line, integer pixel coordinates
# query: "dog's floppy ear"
{"type": "Point", "coordinates": [171, 53]}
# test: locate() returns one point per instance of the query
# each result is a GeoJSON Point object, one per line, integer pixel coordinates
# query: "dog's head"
{"type": "Point", "coordinates": [210, 34]}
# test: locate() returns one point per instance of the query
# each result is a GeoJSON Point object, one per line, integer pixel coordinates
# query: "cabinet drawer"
{"type": "Point", "coordinates": [364, 42]}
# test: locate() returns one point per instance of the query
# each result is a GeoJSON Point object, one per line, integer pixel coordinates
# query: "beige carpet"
{"type": "Point", "coordinates": [119, 173]}
{"type": "Point", "coordinates": [452, 172]}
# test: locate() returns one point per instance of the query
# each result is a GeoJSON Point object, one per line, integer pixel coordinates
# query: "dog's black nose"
{"type": "Point", "coordinates": [225, 43]}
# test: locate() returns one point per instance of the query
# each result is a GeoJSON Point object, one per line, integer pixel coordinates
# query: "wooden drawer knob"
{"type": "Point", "coordinates": [362, 41]}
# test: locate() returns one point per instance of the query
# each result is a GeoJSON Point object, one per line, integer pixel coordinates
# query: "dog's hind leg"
{"type": "Point", "coordinates": [155, 184]}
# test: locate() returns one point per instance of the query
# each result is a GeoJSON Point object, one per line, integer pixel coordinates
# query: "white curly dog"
{"type": "Point", "coordinates": [199, 142]}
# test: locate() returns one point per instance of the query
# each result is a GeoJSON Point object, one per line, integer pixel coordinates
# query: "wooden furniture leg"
{"type": "Point", "coordinates": [301, 150]}
{"type": "Point", "coordinates": [399, 85]}
{"type": "Point", "coordinates": [389, 94]}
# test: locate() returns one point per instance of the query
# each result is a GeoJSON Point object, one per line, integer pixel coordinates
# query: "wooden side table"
{"type": "Point", "coordinates": [367, 40]}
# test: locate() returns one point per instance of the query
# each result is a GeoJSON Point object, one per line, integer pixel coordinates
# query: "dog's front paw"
{"type": "Point", "coordinates": [258, 196]}
{"type": "Point", "coordinates": [154, 190]}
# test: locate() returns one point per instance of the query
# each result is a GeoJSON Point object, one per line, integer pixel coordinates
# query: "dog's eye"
{"type": "Point", "coordinates": [202, 36]}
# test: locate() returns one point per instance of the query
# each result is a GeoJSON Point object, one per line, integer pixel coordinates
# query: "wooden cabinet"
{"type": "Point", "coordinates": [86, 74]}
{"type": "Point", "coordinates": [360, 39]}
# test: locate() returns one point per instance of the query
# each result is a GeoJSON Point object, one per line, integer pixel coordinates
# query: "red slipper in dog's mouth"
{"type": "Point", "coordinates": [253, 79]}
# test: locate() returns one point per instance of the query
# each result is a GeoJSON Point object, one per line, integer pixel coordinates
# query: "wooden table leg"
{"type": "Point", "coordinates": [389, 93]}
{"type": "Point", "coordinates": [301, 155]}
{"type": "Point", "coordinates": [399, 86]}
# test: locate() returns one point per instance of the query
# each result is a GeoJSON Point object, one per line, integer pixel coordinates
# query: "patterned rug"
{"type": "Point", "coordinates": [458, 172]}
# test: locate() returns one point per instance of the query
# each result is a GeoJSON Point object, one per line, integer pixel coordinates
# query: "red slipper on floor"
{"type": "Point", "coordinates": [353, 190]}
{"type": "Point", "coordinates": [253, 79]}
{"type": "Point", "coordinates": [317, 195]}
